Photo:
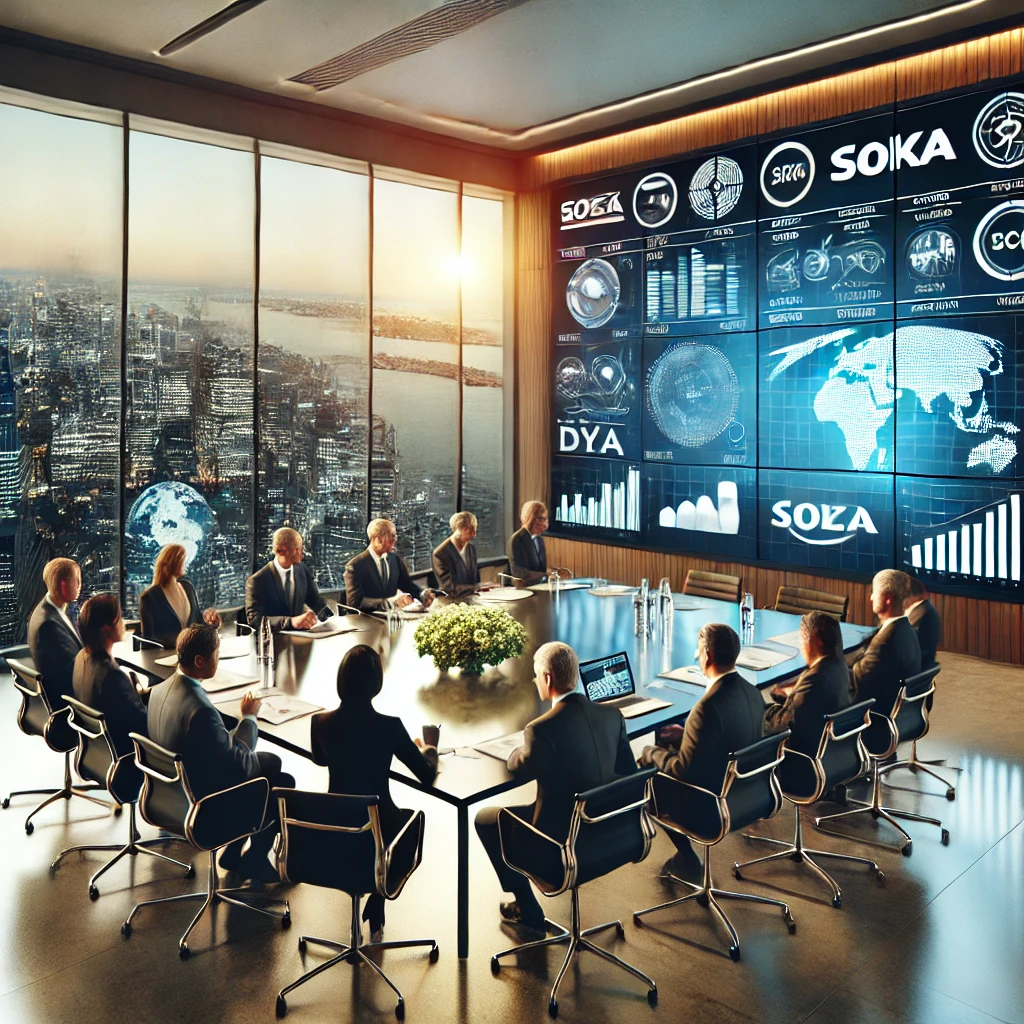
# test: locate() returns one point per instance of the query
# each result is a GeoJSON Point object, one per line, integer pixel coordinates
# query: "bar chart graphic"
{"type": "Point", "coordinates": [597, 493]}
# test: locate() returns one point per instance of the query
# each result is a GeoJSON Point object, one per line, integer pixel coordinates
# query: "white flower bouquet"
{"type": "Point", "coordinates": [470, 636]}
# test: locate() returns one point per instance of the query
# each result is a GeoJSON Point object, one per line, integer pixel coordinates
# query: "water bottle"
{"type": "Point", "coordinates": [645, 607]}
{"type": "Point", "coordinates": [747, 619]}
{"type": "Point", "coordinates": [640, 610]}
{"type": "Point", "coordinates": [265, 655]}
{"type": "Point", "coordinates": [667, 610]}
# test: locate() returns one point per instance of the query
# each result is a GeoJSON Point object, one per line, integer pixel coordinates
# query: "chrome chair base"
{"type": "Point", "coordinates": [917, 765]}
{"type": "Point", "coordinates": [876, 810]}
{"type": "Point", "coordinates": [214, 894]}
{"type": "Point", "coordinates": [66, 792]}
{"type": "Point", "coordinates": [578, 943]}
{"type": "Point", "coordinates": [355, 953]}
{"type": "Point", "coordinates": [134, 846]}
{"type": "Point", "coordinates": [797, 852]}
{"type": "Point", "coordinates": [707, 895]}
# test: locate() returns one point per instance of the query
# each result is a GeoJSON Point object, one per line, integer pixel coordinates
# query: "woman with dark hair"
{"type": "Point", "coordinates": [170, 604]}
{"type": "Point", "coordinates": [357, 744]}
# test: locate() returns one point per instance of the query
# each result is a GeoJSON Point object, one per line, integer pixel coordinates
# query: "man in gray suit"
{"type": "Point", "coordinates": [182, 719]}
{"type": "Point", "coordinates": [284, 590]}
{"type": "Point", "coordinates": [52, 637]}
{"type": "Point", "coordinates": [455, 558]}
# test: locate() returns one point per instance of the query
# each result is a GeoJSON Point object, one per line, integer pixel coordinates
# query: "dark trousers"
{"type": "Point", "coordinates": [511, 881]}
{"type": "Point", "coordinates": [261, 842]}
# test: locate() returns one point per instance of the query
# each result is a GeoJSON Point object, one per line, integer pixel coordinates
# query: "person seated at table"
{"type": "Point", "coordinates": [99, 682]}
{"type": "Point", "coordinates": [728, 717]}
{"type": "Point", "coordinates": [821, 689]}
{"type": "Point", "coordinates": [182, 719]}
{"type": "Point", "coordinates": [170, 604]}
{"type": "Point", "coordinates": [575, 746]}
{"type": "Point", "coordinates": [455, 558]}
{"type": "Point", "coordinates": [357, 743]}
{"type": "Point", "coordinates": [284, 590]}
{"type": "Point", "coordinates": [891, 654]}
{"type": "Point", "coordinates": [926, 622]}
{"type": "Point", "coordinates": [375, 576]}
{"type": "Point", "coordinates": [52, 637]}
{"type": "Point", "coordinates": [526, 554]}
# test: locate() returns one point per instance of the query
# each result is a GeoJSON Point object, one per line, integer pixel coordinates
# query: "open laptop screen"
{"type": "Point", "coordinates": [607, 678]}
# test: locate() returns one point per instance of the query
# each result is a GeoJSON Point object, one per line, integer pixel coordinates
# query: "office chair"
{"type": "Point", "coordinates": [719, 585]}
{"type": "Point", "coordinates": [841, 757]}
{"type": "Point", "coordinates": [610, 827]}
{"type": "Point", "coordinates": [97, 761]}
{"type": "Point", "coordinates": [210, 823]}
{"type": "Point", "coordinates": [749, 792]}
{"type": "Point", "coordinates": [881, 739]}
{"type": "Point", "coordinates": [36, 718]}
{"type": "Point", "coordinates": [801, 600]}
{"type": "Point", "coordinates": [335, 840]}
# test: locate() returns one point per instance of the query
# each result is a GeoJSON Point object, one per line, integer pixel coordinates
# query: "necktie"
{"type": "Point", "coordinates": [289, 588]}
{"type": "Point", "coordinates": [384, 572]}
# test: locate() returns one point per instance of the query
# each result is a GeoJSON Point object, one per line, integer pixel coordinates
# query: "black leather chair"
{"type": "Point", "coordinates": [208, 824]}
{"type": "Point", "coordinates": [97, 761]}
{"type": "Point", "coordinates": [841, 757]}
{"type": "Point", "coordinates": [749, 792]}
{"type": "Point", "coordinates": [35, 718]}
{"type": "Point", "coordinates": [915, 732]}
{"type": "Point", "coordinates": [610, 827]}
{"type": "Point", "coordinates": [334, 840]}
{"type": "Point", "coordinates": [882, 737]}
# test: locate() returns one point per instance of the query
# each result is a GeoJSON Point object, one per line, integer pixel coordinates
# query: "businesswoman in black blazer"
{"type": "Point", "coordinates": [170, 604]}
{"type": "Point", "coordinates": [357, 744]}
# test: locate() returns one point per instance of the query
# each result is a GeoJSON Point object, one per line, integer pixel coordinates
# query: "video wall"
{"type": "Point", "coordinates": [803, 349]}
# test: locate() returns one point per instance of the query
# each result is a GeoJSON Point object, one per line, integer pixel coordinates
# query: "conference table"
{"type": "Point", "coordinates": [473, 709]}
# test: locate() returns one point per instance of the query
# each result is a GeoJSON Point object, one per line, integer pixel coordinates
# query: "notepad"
{"type": "Point", "coordinates": [758, 659]}
{"type": "Point", "coordinates": [281, 708]}
{"type": "Point", "coordinates": [228, 681]}
{"type": "Point", "coordinates": [788, 639]}
{"type": "Point", "coordinates": [334, 626]}
{"type": "Point", "coordinates": [502, 746]}
{"type": "Point", "coordinates": [686, 674]}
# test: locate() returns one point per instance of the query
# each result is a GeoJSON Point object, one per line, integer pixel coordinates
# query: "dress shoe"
{"type": "Point", "coordinates": [687, 866]}
{"type": "Point", "coordinates": [512, 913]}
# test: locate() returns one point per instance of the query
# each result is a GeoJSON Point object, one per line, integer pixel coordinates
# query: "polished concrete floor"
{"type": "Point", "coordinates": [942, 941]}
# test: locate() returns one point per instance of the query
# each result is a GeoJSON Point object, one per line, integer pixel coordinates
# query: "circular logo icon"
{"type": "Point", "coordinates": [932, 252]}
{"type": "Point", "coordinates": [999, 241]}
{"type": "Point", "coordinates": [787, 174]}
{"type": "Point", "coordinates": [716, 187]}
{"type": "Point", "coordinates": [654, 200]}
{"type": "Point", "coordinates": [592, 293]}
{"type": "Point", "coordinates": [999, 130]}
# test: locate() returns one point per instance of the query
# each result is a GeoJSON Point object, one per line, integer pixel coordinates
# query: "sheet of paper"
{"type": "Point", "coordinates": [502, 746]}
{"type": "Point", "coordinates": [686, 674]}
{"type": "Point", "coordinates": [500, 594]}
{"type": "Point", "coordinates": [315, 633]}
{"type": "Point", "coordinates": [224, 680]}
{"type": "Point", "coordinates": [230, 647]}
{"type": "Point", "coordinates": [758, 659]}
{"type": "Point", "coordinates": [788, 639]}
{"type": "Point", "coordinates": [170, 661]}
{"type": "Point", "coordinates": [283, 708]}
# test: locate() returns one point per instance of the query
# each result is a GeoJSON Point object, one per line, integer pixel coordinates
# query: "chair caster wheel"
{"type": "Point", "coordinates": [53, 869]}
{"type": "Point", "coordinates": [286, 920]}
{"type": "Point", "coordinates": [434, 954]}
{"type": "Point", "coordinates": [638, 921]}
{"type": "Point", "coordinates": [734, 952]}
{"type": "Point", "coordinates": [907, 849]}
{"type": "Point", "coordinates": [797, 857]}
{"type": "Point", "coordinates": [552, 1008]}
{"type": "Point", "coordinates": [945, 837]}
{"type": "Point", "coordinates": [400, 1009]}
{"type": "Point", "coordinates": [652, 997]}
{"type": "Point", "coordinates": [495, 965]}
{"type": "Point", "coordinates": [94, 893]}
{"type": "Point", "coordinates": [880, 877]}
{"type": "Point", "coordinates": [191, 873]}
{"type": "Point", "coordinates": [6, 803]}
{"type": "Point", "coordinates": [281, 1006]}
{"type": "Point", "coordinates": [874, 814]}
{"type": "Point", "coordinates": [837, 902]}
{"type": "Point", "coordinates": [736, 871]}
{"type": "Point", "coordinates": [950, 794]}
{"type": "Point", "coordinates": [302, 945]}
{"type": "Point", "coordinates": [183, 951]}
{"type": "Point", "coordinates": [791, 925]}
{"type": "Point", "coordinates": [126, 930]}
{"type": "Point", "coordinates": [117, 810]}
{"type": "Point", "coordinates": [702, 899]}
{"type": "Point", "coordinates": [619, 930]}
{"type": "Point", "coordinates": [29, 828]}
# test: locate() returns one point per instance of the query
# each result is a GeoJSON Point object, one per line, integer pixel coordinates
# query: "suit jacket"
{"type": "Point", "coordinates": [160, 621]}
{"type": "Point", "coordinates": [892, 654]}
{"type": "Point", "coordinates": [572, 748]}
{"type": "Point", "coordinates": [727, 718]}
{"type": "Point", "coordinates": [182, 719]}
{"type": "Point", "coordinates": [357, 745]}
{"type": "Point", "coordinates": [364, 588]}
{"type": "Point", "coordinates": [822, 689]}
{"type": "Point", "coordinates": [264, 596]}
{"type": "Point", "coordinates": [104, 686]}
{"type": "Point", "coordinates": [523, 555]}
{"type": "Point", "coordinates": [54, 645]}
{"type": "Point", "coordinates": [925, 620]}
{"type": "Point", "coordinates": [452, 572]}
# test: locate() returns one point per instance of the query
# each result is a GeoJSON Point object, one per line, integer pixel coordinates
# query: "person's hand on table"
{"type": "Point", "coordinates": [404, 601]}
{"type": "Point", "coordinates": [780, 692]}
{"type": "Point", "coordinates": [427, 598]}
{"type": "Point", "coordinates": [211, 618]}
{"type": "Point", "coordinates": [305, 621]}
{"type": "Point", "coordinates": [670, 735]}
{"type": "Point", "coordinates": [250, 704]}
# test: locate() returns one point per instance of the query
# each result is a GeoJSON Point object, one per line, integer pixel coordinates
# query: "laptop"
{"type": "Point", "coordinates": [610, 681]}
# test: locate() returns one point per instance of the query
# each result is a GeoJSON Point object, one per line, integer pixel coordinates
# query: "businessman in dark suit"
{"type": "Point", "coordinates": [455, 558]}
{"type": "Point", "coordinates": [572, 748]}
{"type": "Point", "coordinates": [926, 622]}
{"type": "Point", "coordinates": [284, 590]}
{"type": "Point", "coordinates": [823, 688]}
{"type": "Point", "coordinates": [891, 654]}
{"type": "Point", "coordinates": [375, 576]}
{"type": "Point", "coordinates": [727, 718]}
{"type": "Point", "coordinates": [526, 554]}
{"type": "Point", "coordinates": [99, 682]}
{"type": "Point", "coordinates": [182, 719]}
{"type": "Point", "coordinates": [52, 638]}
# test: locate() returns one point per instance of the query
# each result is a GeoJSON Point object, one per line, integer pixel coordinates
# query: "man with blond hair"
{"type": "Point", "coordinates": [526, 553]}
{"type": "Point", "coordinates": [455, 558]}
{"type": "Point", "coordinates": [284, 590]}
{"type": "Point", "coordinates": [892, 653]}
{"type": "Point", "coordinates": [575, 746]}
{"type": "Point", "coordinates": [378, 578]}
{"type": "Point", "coordinates": [52, 637]}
